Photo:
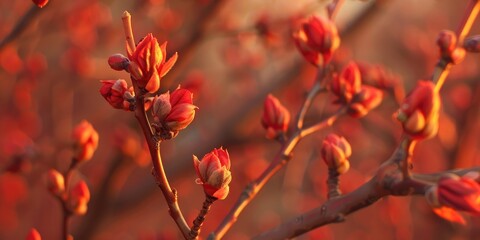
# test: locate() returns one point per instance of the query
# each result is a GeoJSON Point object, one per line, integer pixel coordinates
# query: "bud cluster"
{"type": "Point", "coordinates": [349, 90]}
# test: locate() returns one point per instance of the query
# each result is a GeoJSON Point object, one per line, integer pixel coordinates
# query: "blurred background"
{"type": "Point", "coordinates": [232, 53]}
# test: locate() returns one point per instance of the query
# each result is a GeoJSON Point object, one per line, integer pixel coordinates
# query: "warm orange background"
{"type": "Point", "coordinates": [49, 81]}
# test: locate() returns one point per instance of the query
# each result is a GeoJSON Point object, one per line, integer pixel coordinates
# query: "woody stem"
{"type": "Point", "coordinates": [198, 222]}
{"type": "Point", "coordinates": [332, 183]}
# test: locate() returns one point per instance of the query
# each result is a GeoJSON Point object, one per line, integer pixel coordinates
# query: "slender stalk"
{"type": "Point", "coordinates": [316, 88]}
{"type": "Point", "coordinates": [325, 123]}
{"type": "Point", "coordinates": [127, 28]}
{"type": "Point", "coordinates": [158, 169]}
{"type": "Point", "coordinates": [198, 222]}
{"type": "Point", "coordinates": [66, 214]}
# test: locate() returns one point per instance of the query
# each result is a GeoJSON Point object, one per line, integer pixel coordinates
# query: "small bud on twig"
{"type": "Point", "coordinates": [86, 141]}
{"type": "Point", "coordinates": [275, 118]}
{"type": "Point", "coordinates": [214, 173]}
{"type": "Point", "coordinates": [118, 62]}
{"type": "Point", "coordinates": [79, 198]}
{"type": "Point", "coordinates": [420, 111]}
{"type": "Point", "coordinates": [55, 182]}
{"type": "Point", "coordinates": [317, 40]}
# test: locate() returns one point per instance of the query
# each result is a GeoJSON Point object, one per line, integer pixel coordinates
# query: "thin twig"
{"type": "Point", "coordinates": [198, 222]}
{"type": "Point", "coordinates": [316, 88]}
{"type": "Point", "coordinates": [21, 25]}
{"type": "Point", "coordinates": [66, 214]}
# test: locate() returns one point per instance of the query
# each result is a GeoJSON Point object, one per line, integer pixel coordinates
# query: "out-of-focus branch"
{"type": "Point", "coordinates": [197, 34]}
{"type": "Point", "coordinates": [388, 180]}
{"type": "Point", "coordinates": [21, 25]}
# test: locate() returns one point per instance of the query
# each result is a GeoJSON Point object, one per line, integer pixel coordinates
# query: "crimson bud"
{"type": "Point", "coordinates": [86, 141]}
{"type": "Point", "coordinates": [335, 153]}
{"type": "Point", "coordinates": [275, 118]}
{"type": "Point", "coordinates": [79, 198]}
{"type": "Point", "coordinates": [117, 93]}
{"type": "Point", "coordinates": [420, 111]}
{"type": "Point", "coordinates": [55, 182]}
{"type": "Point", "coordinates": [213, 173]}
{"type": "Point", "coordinates": [317, 40]}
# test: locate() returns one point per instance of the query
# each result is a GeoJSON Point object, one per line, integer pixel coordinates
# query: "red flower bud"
{"type": "Point", "coordinates": [335, 153]}
{"type": "Point", "coordinates": [86, 141]}
{"type": "Point", "coordinates": [363, 102]}
{"type": "Point", "coordinates": [347, 84]}
{"type": "Point", "coordinates": [118, 62]}
{"type": "Point", "coordinates": [275, 118]}
{"type": "Point", "coordinates": [447, 43]}
{"type": "Point", "coordinates": [214, 173]}
{"type": "Point", "coordinates": [317, 39]}
{"type": "Point", "coordinates": [55, 182]}
{"type": "Point", "coordinates": [33, 234]}
{"type": "Point", "coordinates": [117, 93]}
{"type": "Point", "coordinates": [40, 3]}
{"type": "Point", "coordinates": [420, 111]}
{"type": "Point", "coordinates": [79, 197]}
{"type": "Point", "coordinates": [458, 193]}
{"type": "Point", "coordinates": [174, 111]}
{"type": "Point", "coordinates": [150, 65]}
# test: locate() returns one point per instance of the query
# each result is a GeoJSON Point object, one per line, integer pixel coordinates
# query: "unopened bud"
{"type": "Point", "coordinates": [213, 173]}
{"type": "Point", "coordinates": [55, 182]}
{"type": "Point", "coordinates": [40, 3]}
{"type": "Point", "coordinates": [33, 234]}
{"type": "Point", "coordinates": [472, 44]}
{"type": "Point", "coordinates": [347, 84]}
{"type": "Point", "coordinates": [86, 141]}
{"type": "Point", "coordinates": [419, 111]}
{"type": "Point", "coordinates": [118, 62]}
{"type": "Point", "coordinates": [335, 153]}
{"type": "Point", "coordinates": [161, 107]}
{"type": "Point", "coordinates": [446, 41]}
{"type": "Point", "coordinates": [79, 198]}
{"type": "Point", "coordinates": [275, 118]}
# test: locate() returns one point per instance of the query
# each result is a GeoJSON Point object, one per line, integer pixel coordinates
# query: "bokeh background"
{"type": "Point", "coordinates": [232, 53]}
